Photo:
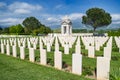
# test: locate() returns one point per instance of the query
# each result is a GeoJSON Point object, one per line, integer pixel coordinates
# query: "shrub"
{"type": "Point", "coordinates": [87, 71]}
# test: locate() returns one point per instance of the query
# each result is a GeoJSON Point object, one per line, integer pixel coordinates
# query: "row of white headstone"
{"type": "Point", "coordinates": [103, 63]}
{"type": "Point", "coordinates": [76, 65]}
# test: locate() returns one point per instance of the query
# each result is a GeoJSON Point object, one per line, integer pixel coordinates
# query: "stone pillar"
{"type": "Point", "coordinates": [8, 49]}
{"type": "Point", "coordinates": [77, 64]}
{"type": "Point", "coordinates": [43, 57]}
{"type": "Point", "coordinates": [67, 29]}
{"type": "Point", "coordinates": [66, 49]}
{"type": "Point", "coordinates": [31, 54]}
{"type": "Point", "coordinates": [22, 53]}
{"type": "Point", "coordinates": [62, 30]}
{"type": "Point", "coordinates": [14, 51]}
{"type": "Point", "coordinates": [103, 68]}
{"type": "Point", "coordinates": [2, 48]}
{"type": "Point", "coordinates": [91, 51]}
{"type": "Point", "coordinates": [58, 60]}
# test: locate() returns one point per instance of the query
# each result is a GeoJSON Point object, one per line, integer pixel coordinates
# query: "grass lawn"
{"type": "Point", "coordinates": [16, 69]}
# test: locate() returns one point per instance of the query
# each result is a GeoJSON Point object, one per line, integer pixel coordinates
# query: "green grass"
{"type": "Point", "coordinates": [12, 66]}
{"type": "Point", "coordinates": [16, 69]}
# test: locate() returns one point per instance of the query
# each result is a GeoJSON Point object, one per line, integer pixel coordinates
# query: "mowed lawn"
{"type": "Point", "coordinates": [16, 69]}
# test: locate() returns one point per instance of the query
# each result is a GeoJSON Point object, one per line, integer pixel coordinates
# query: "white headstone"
{"type": "Point", "coordinates": [103, 68]}
{"type": "Point", "coordinates": [91, 52]}
{"type": "Point", "coordinates": [22, 53]}
{"type": "Point", "coordinates": [31, 54]}
{"type": "Point", "coordinates": [119, 50]}
{"type": "Point", "coordinates": [66, 49]}
{"type": "Point", "coordinates": [2, 48]}
{"type": "Point", "coordinates": [97, 47]}
{"type": "Point", "coordinates": [43, 57]}
{"type": "Point", "coordinates": [58, 60]}
{"type": "Point", "coordinates": [56, 45]}
{"type": "Point", "coordinates": [107, 52]}
{"type": "Point", "coordinates": [41, 44]}
{"type": "Point", "coordinates": [48, 47]}
{"type": "Point", "coordinates": [78, 49]}
{"type": "Point", "coordinates": [24, 45]}
{"type": "Point", "coordinates": [77, 64]}
{"type": "Point", "coordinates": [34, 45]}
{"type": "Point", "coordinates": [8, 49]}
{"type": "Point", "coordinates": [14, 51]}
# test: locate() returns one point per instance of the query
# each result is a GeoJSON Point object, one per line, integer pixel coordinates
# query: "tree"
{"type": "Point", "coordinates": [30, 24]}
{"type": "Point", "coordinates": [5, 30]}
{"type": "Point", "coordinates": [42, 30]}
{"type": "Point", "coordinates": [1, 30]}
{"type": "Point", "coordinates": [17, 29]}
{"type": "Point", "coordinates": [48, 30]}
{"type": "Point", "coordinates": [96, 17]}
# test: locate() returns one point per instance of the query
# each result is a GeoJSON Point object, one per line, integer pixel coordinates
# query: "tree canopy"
{"type": "Point", "coordinates": [16, 29]}
{"type": "Point", "coordinates": [42, 30]}
{"type": "Point", "coordinates": [96, 17]}
{"type": "Point", "coordinates": [31, 23]}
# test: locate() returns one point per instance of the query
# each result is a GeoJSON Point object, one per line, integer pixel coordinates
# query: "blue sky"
{"type": "Point", "coordinates": [51, 12]}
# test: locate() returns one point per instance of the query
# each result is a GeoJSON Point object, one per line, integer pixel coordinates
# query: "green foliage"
{"type": "Point", "coordinates": [16, 29]}
{"type": "Point", "coordinates": [30, 24]}
{"type": "Point", "coordinates": [96, 17]}
{"type": "Point", "coordinates": [5, 30]}
{"type": "Point", "coordinates": [1, 30]}
{"type": "Point", "coordinates": [58, 30]}
{"type": "Point", "coordinates": [42, 30]}
{"type": "Point", "coordinates": [50, 62]}
{"type": "Point", "coordinates": [87, 71]}
{"type": "Point", "coordinates": [114, 32]}
{"type": "Point", "coordinates": [79, 30]}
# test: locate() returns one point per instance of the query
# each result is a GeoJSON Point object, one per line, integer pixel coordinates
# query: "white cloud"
{"type": "Point", "coordinates": [56, 18]}
{"type": "Point", "coordinates": [53, 19]}
{"type": "Point", "coordinates": [22, 11]}
{"type": "Point", "coordinates": [11, 21]}
{"type": "Point", "coordinates": [115, 16]}
{"type": "Point", "coordinates": [75, 16]}
{"type": "Point", "coordinates": [2, 4]}
{"type": "Point", "coordinates": [22, 7]}
{"type": "Point", "coordinates": [58, 6]}
{"type": "Point", "coordinates": [116, 22]}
